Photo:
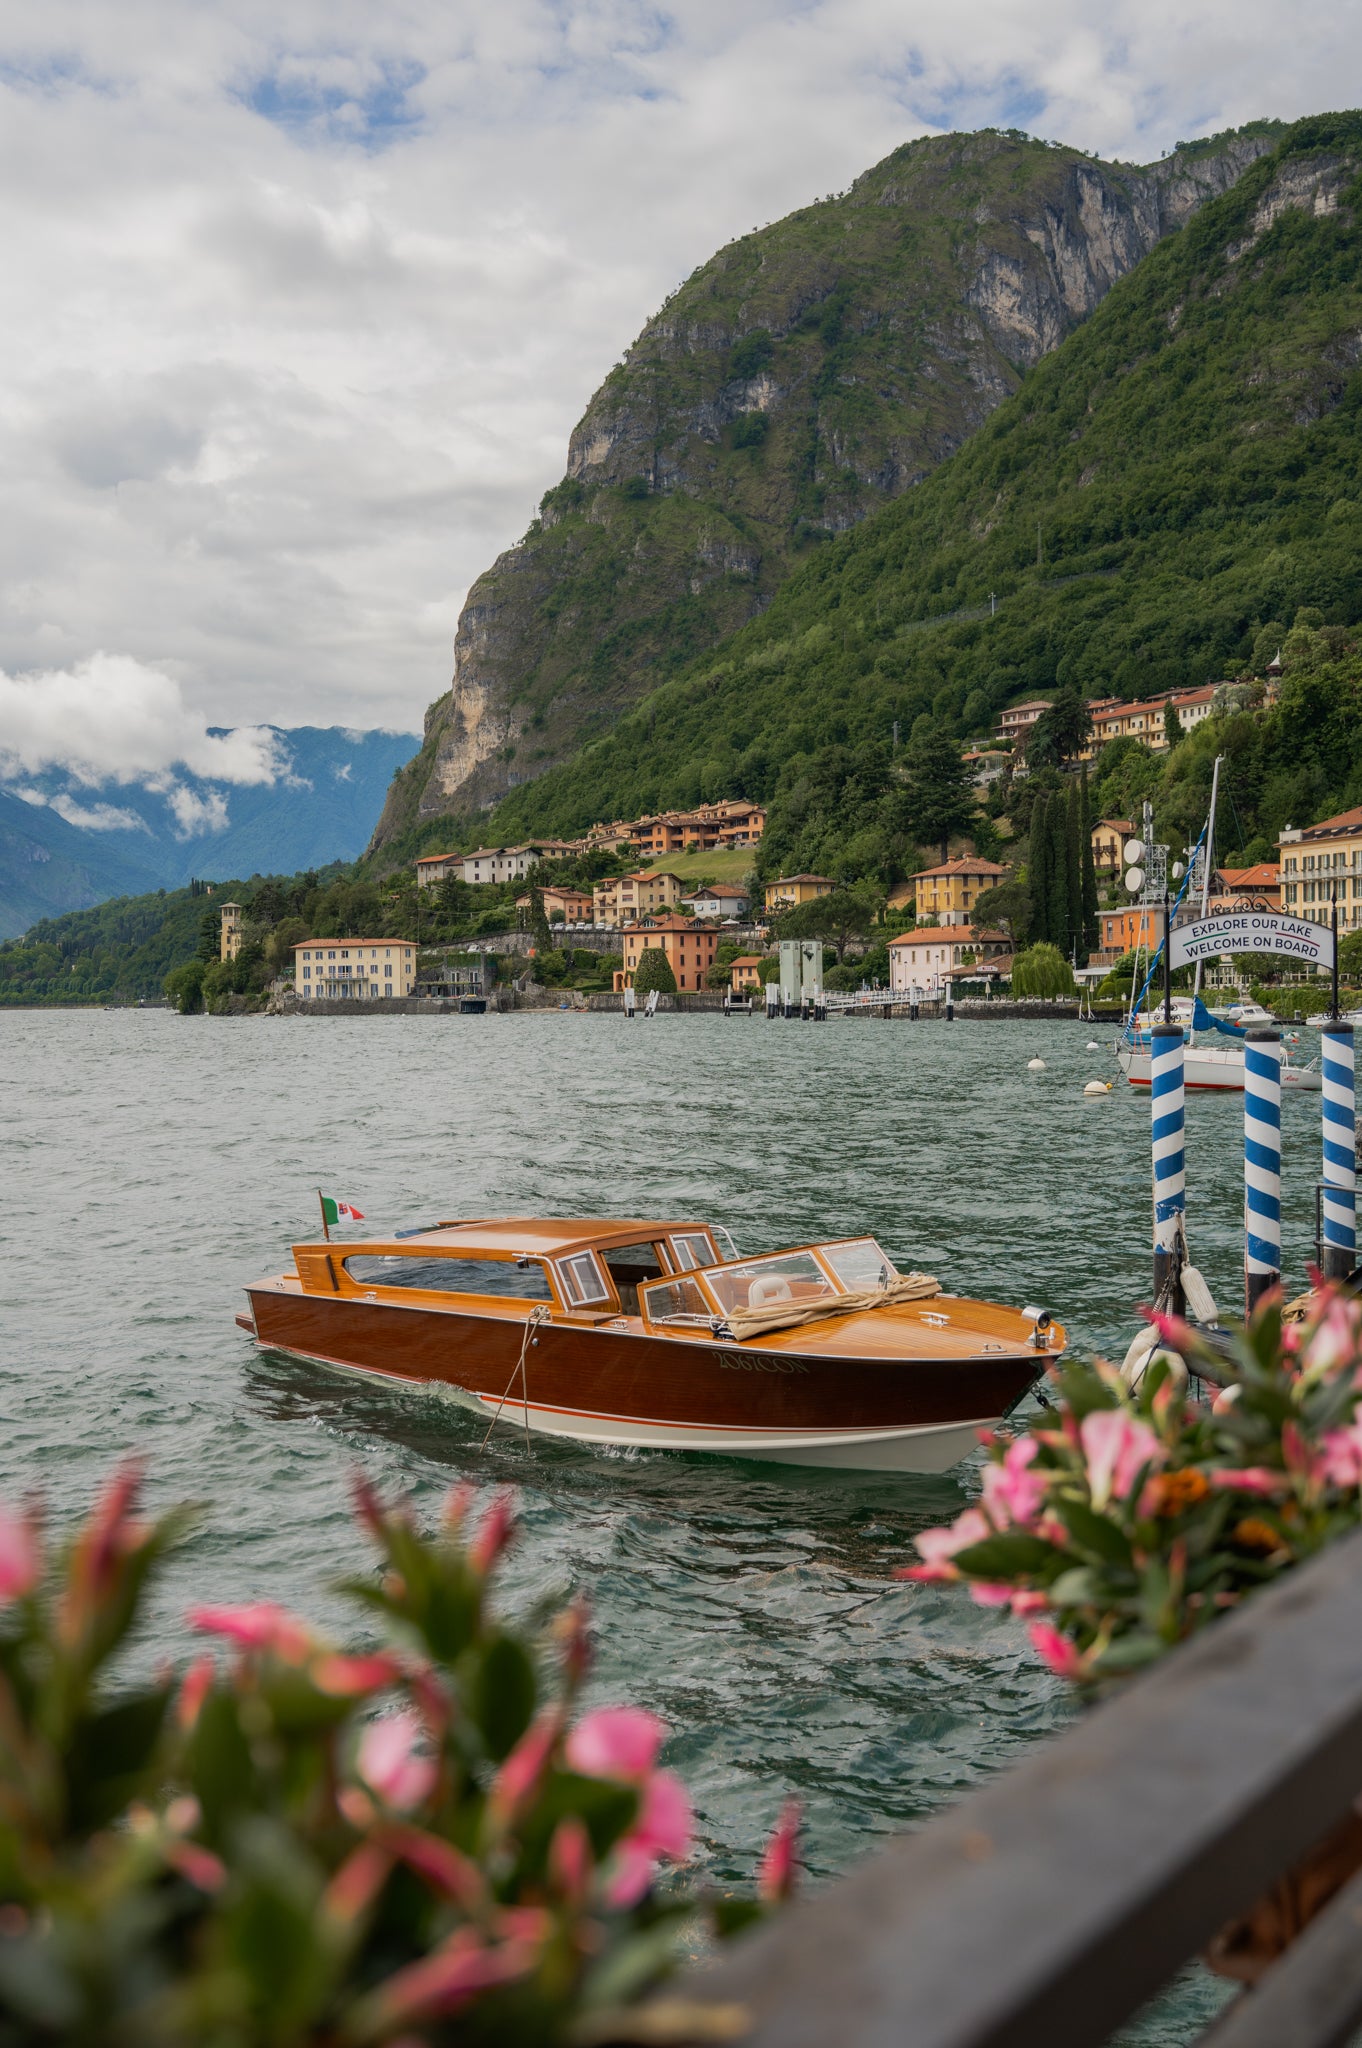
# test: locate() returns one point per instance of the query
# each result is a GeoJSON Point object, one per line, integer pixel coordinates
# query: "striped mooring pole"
{"type": "Point", "coordinates": [1338, 1195]}
{"type": "Point", "coordinates": [1262, 1164]}
{"type": "Point", "coordinates": [1167, 1111]}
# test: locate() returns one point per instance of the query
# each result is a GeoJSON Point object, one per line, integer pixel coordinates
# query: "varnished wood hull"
{"type": "Point", "coordinates": [802, 1396]}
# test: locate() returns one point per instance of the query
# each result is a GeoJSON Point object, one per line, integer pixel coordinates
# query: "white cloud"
{"type": "Point", "coordinates": [92, 817]}
{"type": "Point", "coordinates": [197, 811]}
{"type": "Point", "coordinates": [111, 719]}
{"type": "Point", "coordinates": [302, 301]}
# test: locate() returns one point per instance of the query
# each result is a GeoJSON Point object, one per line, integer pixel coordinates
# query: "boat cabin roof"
{"type": "Point", "coordinates": [513, 1236]}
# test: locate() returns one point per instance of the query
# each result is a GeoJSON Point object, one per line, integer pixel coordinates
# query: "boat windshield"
{"type": "Point", "coordinates": [851, 1267]}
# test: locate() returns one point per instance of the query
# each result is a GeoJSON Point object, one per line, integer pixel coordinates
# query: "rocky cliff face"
{"type": "Point", "coordinates": [799, 379]}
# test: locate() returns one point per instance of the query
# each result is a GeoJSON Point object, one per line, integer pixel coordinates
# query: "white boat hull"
{"type": "Point", "coordinates": [917, 1448]}
{"type": "Point", "coordinates": [1212, 1066]}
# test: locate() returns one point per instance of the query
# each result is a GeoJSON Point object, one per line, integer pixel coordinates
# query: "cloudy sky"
{"type": "Point", "coordinates": [302, 297]}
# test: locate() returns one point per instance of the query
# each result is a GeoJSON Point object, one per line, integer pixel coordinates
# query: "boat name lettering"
{"type": "Point", "coordinates": [753, 1361]}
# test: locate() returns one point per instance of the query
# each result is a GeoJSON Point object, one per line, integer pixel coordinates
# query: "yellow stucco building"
{"type": "Point", "coordinates": [1318, 859]}
{"type": "Point", "coordinates": [792, 890]}
{"type": "Point", "coordinates": [947, 893]}
{"type": "Point", "coordinates": [354, 969]}
{"type": "Point", "coordinates": [230, 944]}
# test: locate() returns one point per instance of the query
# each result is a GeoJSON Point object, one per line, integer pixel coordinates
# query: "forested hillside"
{"type": "Point", "coordinates": [1159, 500]}
{"type": "Point", "coordinates": [804, 376]}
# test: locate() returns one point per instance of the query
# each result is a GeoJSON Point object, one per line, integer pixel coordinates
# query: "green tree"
{"type": "Point", "coordinates": [1039, 868]}
{"type": "Point", "coordinates": [1088, 891]}
{"type": "Point", "coordinates": [937, 788]}
{"type": "Point", "coordinates": [1060, 733]}
{"type": "Point", "coordinates": [210, 935]}
{"type": "Point", "coordinates": [1062, 877]}
{"type": "Point", "coordinates": [654, 971]}
{"type": "Point", "coordinates": [1350, 957]}
{"type": "Point", "coordinates": [1006, 908]}
{"type": "Point", "coordinates": [1172, 725]}
{"type": "Point", "coordinates": [1042, 971]}
{"type": "Point", "coordinates": [837, 917]}
{"type": "Point", "coordinates": [184, 986]}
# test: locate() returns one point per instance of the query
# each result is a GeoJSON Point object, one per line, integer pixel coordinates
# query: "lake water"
{"type": "Point", "coordinates": [152, 1164]}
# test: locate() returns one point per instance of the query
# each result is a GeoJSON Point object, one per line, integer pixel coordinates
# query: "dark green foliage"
{"type": "Point", "coordinates": [751, 354]}
{"type": "Point", "coordinates": [1192, 454]}
{"type": "Point", "coordinates": [1008, 909]}
{"type": "Point", "coordinates": [1060, 732]}
{"type": "Point", "coordinates": [1042, 971]}
{"type": "Point", "coordinates": [654, 971]}
{"type": "Point", "coordinates": [840, 916]}
{"type": "Point", "coordinates": [750, 430]}
{"type": "Point", "coordinates": [1040, 869]}
{"type": "Point", "coordinates": [1088, 889]}
{"type": "Point", "coordinates": [937, 788]}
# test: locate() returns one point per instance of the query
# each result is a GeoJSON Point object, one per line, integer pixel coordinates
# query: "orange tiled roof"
{"type": "Point", "coordinates": [1346, 821]}
{"type": "Point", "coordinates": [947, 934]}
{"type": "Point", "coordinates": [963, 864]}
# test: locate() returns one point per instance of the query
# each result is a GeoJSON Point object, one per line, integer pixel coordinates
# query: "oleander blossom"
{"type": "Point", "coordinates": [623, 1743]}
{"type": "Point", "coordinates": [19, 1557]}
{"type": "Point", "coordinates": [1117, 1449]}
{"type": "Point", "coordinates": [937, 1548]}
{"type": "Point", "coordinates": [1341, 1455]}
{"type": "Point", "coordinates": [393, 1764]}
{"type": "Point", "coordinates": [1014, 1492]}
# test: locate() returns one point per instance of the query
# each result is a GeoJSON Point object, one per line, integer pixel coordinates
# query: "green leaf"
{"type": "Point", "coordinates": [111, 1752]}
{"type": "Point", "coordinates": [1009, 1557]}
{"type": "Point", "coordinates": [1095, 1533]}
{"type": "Point", "coordinates": [504, 1695]}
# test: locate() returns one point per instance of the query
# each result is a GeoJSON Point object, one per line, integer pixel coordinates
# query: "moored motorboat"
{"type": "Point", "coordinates": [1213, 1066]}
{"type": "Point", "coordinates": [658, 1335]}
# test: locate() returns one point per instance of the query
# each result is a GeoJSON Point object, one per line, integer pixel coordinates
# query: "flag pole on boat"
{"type": "Point", "coordinates": [326, 1227]}
{"type": "Point", "coordinates": [1338, 1102]}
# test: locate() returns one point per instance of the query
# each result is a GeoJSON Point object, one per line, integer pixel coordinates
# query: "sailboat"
{"type": "Point", "coordinates": [1217, 1064]}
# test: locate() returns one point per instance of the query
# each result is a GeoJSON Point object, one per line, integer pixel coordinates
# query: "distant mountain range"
{"type": "Point", "coordinates": [63, 847]}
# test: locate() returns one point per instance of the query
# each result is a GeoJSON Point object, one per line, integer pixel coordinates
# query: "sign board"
{"type": "Point", "coordinates": [1252, 931]}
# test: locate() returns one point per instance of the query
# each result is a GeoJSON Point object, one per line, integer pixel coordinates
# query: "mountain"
{"type": "Point", "coordinates": [1165, 490]}
{"type": "Point", "coordinates": [804, 376]}
{"type": "Point", "coordinates": [126, 839]}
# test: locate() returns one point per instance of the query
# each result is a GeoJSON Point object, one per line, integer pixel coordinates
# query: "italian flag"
{"type": "Point", "coordinates": [339, 1212]}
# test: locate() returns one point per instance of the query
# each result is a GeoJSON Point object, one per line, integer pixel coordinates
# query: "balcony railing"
{"type": "Point", "coordinates": [1050, 1906]}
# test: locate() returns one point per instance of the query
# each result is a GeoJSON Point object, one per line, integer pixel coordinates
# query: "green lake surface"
{"type": "Point", "coordinates": [151, 1164]}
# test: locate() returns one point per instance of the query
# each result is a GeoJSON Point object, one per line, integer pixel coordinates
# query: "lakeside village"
{"type": "Point", "coordinates": [674, 903]}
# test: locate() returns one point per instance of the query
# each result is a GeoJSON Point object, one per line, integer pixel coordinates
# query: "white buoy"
{"type": "Point", "coordinates": [1093, 1046]}
{"type": "Point", "coordinates": [1098, 1088]}
{"type": "Point", "coordinates": [1035, 1066]}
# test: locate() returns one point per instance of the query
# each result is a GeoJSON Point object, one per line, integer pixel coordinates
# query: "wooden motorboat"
{"type": "Point", "coordinates": [659, 1335]}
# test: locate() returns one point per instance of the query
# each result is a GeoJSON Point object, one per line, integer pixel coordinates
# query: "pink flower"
{"type": "Point", "coordinates": [663, 1828]}
{"type": "Point", "coordinates": [391, 1764]}
{"type": "Point", "coordinates": [350, 1678]}
{"type": "Point", "coordinates": [1341, 1455]}
{"type": "Point", "coordinates": [1251, 1479]}
{"type": "Point", "coordinates": [1030, 1601]}
{"type": "Point", "coordinates": [615, 1742]}
{"type": "Point", "coordinates": [523, 1769]}
{"type": "Point", "coordinates": [1117, 1449]}
{"type": "Point", "coordinates": [358, 1883]}
{"type": "Point", "coordinates": [197, 1865]}
{"type": "Point", "coordinates": [570, 1860]}
{"type": "Point", "coordinates": [776, 1871]}
{"type": "Point", "coordinates": [443, 1867]}
{"type": "Point", "coordinates": [262, 1626]}
{"type": "Point", "coordinates": [449, 1978]}
{"type": "Point", "coordinates": [938, 1546]}
{"type": "Point", "coordinates": [494, 1532]}
{"type": "Point", "coordinates": [19, 1562]}
{"type": "Point", "coordinates": [1336, 1336]}
{"type": "Point", "coordinates": [194, 1690]}
{"type": "Point", "coordinates": [1057, 1651]}
{"type": "Point", "coordinates": [985, 1595]}
{"type": "Point", "coordinates": [1012, 1492]}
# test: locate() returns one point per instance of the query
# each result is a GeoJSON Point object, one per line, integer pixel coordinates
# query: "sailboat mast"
{"type": "Point", "coordinates": [1206, 871]}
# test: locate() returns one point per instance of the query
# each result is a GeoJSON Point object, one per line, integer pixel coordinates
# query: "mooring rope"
{"type": "Point", "coordinates": [538, 1314]}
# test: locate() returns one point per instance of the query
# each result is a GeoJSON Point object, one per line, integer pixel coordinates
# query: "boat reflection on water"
{"type": "Point", "coordinates": [643, 1334]}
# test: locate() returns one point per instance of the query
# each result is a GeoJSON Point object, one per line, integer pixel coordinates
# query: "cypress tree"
{"type": "Point", "coordinates": [1038, 869]}
{"type": "Point", "coordinates": [1090, 925]}
{"type": "Point", "coordinates": [1075, 823]}
{"type": "Point", "coordinates": [1061, 876]}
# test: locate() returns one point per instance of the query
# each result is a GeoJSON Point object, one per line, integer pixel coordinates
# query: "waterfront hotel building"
{"type": "Point", "coordinates": [354, 969]}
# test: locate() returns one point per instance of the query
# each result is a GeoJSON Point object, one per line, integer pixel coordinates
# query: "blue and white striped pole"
{"type": "Point", "coordinates": [1262, 1164]}
{"type": "Point", "coordinates": [1338, 1204]}
{"type": "Point", "coordinates": [1167, 1111]}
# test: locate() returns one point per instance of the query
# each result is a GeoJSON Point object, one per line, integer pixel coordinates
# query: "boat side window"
{"type": "Point", "coordinates": [766, 1283]}
{"type": "Point", "coordinates": [630, 1265]}
{"type": "Point", "coordinates": [681, 1300]}
{"type": "Point", "coordinates": [582, 1277]}
{"type": "Point", "coordinates": [859, 1266]}
{"type": "Point", "coordinates": [506, 1278]}
{"type": "Point", "coordinates": [690, 1249]}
